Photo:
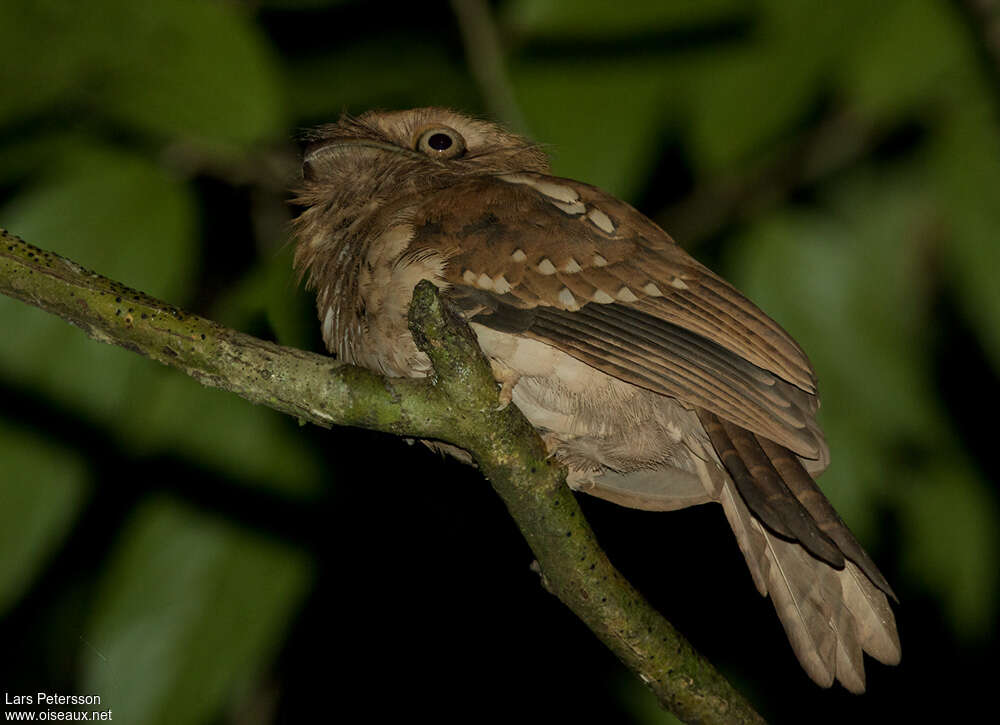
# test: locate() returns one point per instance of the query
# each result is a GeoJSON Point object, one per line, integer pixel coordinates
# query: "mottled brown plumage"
{"type": "Point", "coordinates": [657, 383]}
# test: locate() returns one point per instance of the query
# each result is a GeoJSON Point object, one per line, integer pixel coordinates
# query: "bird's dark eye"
{"type": "Point", "coordinates": [441, 142]}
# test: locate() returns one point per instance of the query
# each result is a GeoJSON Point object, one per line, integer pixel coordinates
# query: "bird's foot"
{"type": "Point", "coordinates": [508, 380]}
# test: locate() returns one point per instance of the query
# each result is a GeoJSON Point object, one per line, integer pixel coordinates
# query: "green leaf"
{"type": "Point", "coordinates": [192, 68]}
{"type": "Point", "coordinates": [272, 290]}
{"type": "Point", "coordinates": [842, 281]}
{"type": "Point", "coordinates": [966, 159]}
{"type": "Point", "coordinates": [949, 523]}
{"type": "Point", "coordinates": [27, 157]}
{"type": "Point", "coordinates": [124, 217]}
{"type": "Point", "coordinates": [222, 431]}
{"type": "Point", "coordinates": [752, 93]}
{"type": "Point", "coordinates": [45, 55]}
{"type": "Point", "coordinates": [111, 212]}
{"type": "Point", "coordinates": [191, 610]}
{"type": "Point", "coordinates": [602, 135]}
{"type": "Point", "coordinates": [252, 443]}
{"type": "Point", "coordinates": [42, 488]}
{"type": "Point", "coordinates": [366, 74]}
{"type": "Point", "coordinates": [185, 68]}
{"type": "Point", "coordinates": [902, 52]}
{"type": "Point", "coordinates": [845, 281]}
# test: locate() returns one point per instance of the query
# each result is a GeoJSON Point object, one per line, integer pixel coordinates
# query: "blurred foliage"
{"type": "Point", "coordinates": [173, 608]}
{"type": "Point", "coordinates": [153, 142]}
{"type": "Point", "coordinates": [43, 488]}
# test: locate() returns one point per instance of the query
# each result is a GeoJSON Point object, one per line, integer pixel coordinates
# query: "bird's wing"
{"type": "Point", "coordinates": [563, 262]}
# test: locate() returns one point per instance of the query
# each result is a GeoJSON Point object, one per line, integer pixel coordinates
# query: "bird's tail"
{"type": "Point", "coordinates": [829, 595]}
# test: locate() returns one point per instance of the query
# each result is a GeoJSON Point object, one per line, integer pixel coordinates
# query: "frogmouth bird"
{"type": "Point", "coordinates": [652, 379]}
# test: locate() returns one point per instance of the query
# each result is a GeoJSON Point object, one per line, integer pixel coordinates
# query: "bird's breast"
{"type": "Point", "coordinates": [377, 335]}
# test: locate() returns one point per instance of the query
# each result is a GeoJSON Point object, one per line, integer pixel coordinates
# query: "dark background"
{"type": "Point", "coordinates": [194, 559]}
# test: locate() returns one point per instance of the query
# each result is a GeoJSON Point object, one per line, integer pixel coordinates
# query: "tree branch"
{"type": "Point", "coordinates": [457, 404]}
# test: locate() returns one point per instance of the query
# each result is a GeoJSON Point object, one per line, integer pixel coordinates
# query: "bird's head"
{"type": "Point", "coordinates": [367, 168]}
{"type": "Point", "coordinates": [414, 150]}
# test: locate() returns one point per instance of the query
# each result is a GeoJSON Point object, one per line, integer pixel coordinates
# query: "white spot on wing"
{"type": "Point", "coordinates": [516, 178]}
{"type": "Point", "coordinates": [567, 299]}
{"type": "Point", "coordinates": [601, 220]}
{"type": "Point", "coordinates": [556, 191]}
{"type": "Point", "coordinates": [546, 267]}
{"type": "Point", "coordinates": [678, 283]}
{"type": "Point", "coordinates": [626, 295]}
{"type": "Point", "coordinates": [501, 285]}
{"type": "Point", "coordinates": [572, 207]}
{"type": "Point", "coordinates": [519, 255]}
{"type": "Point", "coordinates": [652, 290]}
{"type": "Point", "coordinates": [603, 297]}
{"type": "Point", "coordinates": [469, 276]}
{"type": "Point", "coordinates": [572, 266]}
{"type": "Point", "coordinates": [551, 189]}
{"type": "Point", "coordinates": [600, 261]}
{"type": "Point", "coordinates": [484, 281]}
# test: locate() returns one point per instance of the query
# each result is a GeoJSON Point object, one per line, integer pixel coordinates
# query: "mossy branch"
{"type": "Point", "coordinates": [458, 404]}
